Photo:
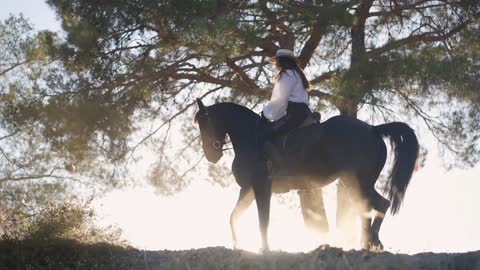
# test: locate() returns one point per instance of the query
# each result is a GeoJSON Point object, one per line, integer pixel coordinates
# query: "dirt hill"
{"type": "Point", "coordinates": [62, 254]}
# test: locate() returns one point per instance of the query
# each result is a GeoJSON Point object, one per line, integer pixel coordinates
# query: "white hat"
{"type": "Point", "coordinates": [285, 53]}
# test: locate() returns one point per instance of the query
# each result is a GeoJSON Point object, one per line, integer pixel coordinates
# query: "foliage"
{"type": "Point", "coordinates": [67, 218]}
{"type": "Point", "coordinates": [125, 75]}
{"type": "Point", "coordinates": [64, 254]}
{"type": "Point", "coordinates": [44, 150]}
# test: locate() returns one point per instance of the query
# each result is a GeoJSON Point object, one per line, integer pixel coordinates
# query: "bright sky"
{"type": "Point", "coordinates": [440, 212]}
{"type": "Point", "coordinates": [37, 11]}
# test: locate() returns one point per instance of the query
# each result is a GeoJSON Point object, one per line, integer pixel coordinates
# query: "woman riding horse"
{"type": "Point", "coordinates": [288, 106]}
{"type": "Point", "coordinates": [342, 147]}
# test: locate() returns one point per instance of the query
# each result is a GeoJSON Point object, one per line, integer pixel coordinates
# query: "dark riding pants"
{"type": "Point", "coordinates": [296, 114]}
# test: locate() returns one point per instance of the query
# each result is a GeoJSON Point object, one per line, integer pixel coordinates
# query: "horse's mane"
{"type": "Point", "coordinates": [228, 108]}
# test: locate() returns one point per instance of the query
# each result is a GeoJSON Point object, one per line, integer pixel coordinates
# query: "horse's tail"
{"type": "Point", "coordinates": [405, 147]}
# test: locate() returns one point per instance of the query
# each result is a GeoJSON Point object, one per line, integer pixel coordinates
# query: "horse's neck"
{"type": "Point", "coordinates": [241, 130]}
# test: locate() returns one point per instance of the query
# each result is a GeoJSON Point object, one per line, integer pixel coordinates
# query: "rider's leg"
{"type": "Point", "coordinates": [296, 114]}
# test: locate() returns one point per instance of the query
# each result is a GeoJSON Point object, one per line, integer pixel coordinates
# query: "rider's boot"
{"type": "Point", "coordinates": [273, 152]}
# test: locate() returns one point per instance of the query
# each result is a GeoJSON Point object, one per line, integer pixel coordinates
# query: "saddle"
{"type": "Point", "coordinates": [275, 151]}
{"type": "Point", "coordinates": [313, 118]}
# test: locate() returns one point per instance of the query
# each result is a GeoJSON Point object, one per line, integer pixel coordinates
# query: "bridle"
{"type": "Point", "coordinates": [217, 144]}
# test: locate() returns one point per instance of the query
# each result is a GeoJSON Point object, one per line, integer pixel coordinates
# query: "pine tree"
{"type": "Point", "coordinates": [123, 62]}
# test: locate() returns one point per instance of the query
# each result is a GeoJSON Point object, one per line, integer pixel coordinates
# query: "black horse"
{"type": "Point", "coordinates": [342, 147]}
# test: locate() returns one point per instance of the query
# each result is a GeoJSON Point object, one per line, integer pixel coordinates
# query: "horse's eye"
{"type": "Point", "coordinates": [217, 144]}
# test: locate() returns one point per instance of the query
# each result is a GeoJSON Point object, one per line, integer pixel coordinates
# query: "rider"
{"type": "Point", "coordinates": [288, 106]}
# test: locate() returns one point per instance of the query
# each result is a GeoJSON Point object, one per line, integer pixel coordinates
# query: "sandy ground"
{"type": "Point", "coordinates": [321, 258]}
{"type": "Point", "coordinates": [66, 254]}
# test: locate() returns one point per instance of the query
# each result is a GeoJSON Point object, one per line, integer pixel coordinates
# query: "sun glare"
{"type": "Point", "coordinates": [200, 217]}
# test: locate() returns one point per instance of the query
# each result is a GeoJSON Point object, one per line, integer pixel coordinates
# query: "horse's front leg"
{"type": "Point", "coordinates": [262, 189]}
{"type": "Point", "coordinates": [244, 200]}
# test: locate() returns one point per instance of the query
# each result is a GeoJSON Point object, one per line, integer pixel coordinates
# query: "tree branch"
{"type": "Point", "coordinates": [323, 77]}
{"type": "Point", "coordinates": [312, 43]}
{"type": "Point", "coordinates": [425, 38]}
{"type": "Point", "coordinates": [38, 176]}
{"type": "Point", "coordinates": [320, 94]}
{"type": "Point", "coordinates": [9, 135]}
{"type": "Point", "coordinates": [133, 149]}
{"type": "Point", "coordinates": [243, 76]}
{"type": "Point", "coordinates": [357, 31]}
{"type": "Point", "coordinates": [5, 71]}
{"type": "Point", "coordinates": [399, 8]}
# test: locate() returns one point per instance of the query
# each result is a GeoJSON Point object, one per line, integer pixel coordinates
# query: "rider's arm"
{"type": "Point", "coordinates": [277, 107]}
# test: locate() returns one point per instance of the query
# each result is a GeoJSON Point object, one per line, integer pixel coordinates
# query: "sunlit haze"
{"type": "Point", "coordinates": [440, 211]}
{"type": "Point", "coordinates": [442, 219]}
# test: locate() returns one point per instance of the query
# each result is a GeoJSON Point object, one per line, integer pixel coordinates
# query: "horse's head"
{"type": "Point", "coordinates": [212, 132]}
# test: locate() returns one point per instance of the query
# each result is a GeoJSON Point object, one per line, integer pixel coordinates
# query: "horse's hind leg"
{"type": "Point", "coordinates": [380, 206]}
{"type": "Point", "coordinates": [313, 211]}
{"type": "Point", "coordinates": [363, 199]}
{"type": "Point", "coordinates": [245, 198]}
{"type": "Point", "coordinates": [377, 205]}
{"type": "Point", "coordinates": [347, 212]}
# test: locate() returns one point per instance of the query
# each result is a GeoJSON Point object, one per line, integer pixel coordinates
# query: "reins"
{"type": "Point", "coordinates": [228, 148]}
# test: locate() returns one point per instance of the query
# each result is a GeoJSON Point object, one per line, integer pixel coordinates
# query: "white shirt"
{"type": "Point", "coordinates": [288, 88]}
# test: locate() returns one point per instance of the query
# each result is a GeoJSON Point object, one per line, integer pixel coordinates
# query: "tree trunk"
{"type": "Point", "coordinates": [346, 212]}
{"type": "Point", "coordinates": [349, 109]}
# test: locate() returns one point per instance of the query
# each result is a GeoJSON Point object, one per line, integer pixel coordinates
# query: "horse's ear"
{"type": "Point", "coordinates": [201, 107]}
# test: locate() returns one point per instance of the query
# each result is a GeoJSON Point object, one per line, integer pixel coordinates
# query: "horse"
{"type": "Point", "coordinates": [341, 147]}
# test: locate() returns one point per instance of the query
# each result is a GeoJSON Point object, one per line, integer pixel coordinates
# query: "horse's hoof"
{"type": "Point", "coordinates": [264, 251]}
{"type": "Point", "coordinates": [235, 245]}
{"type": "Point", "coordinates": [376, 246]}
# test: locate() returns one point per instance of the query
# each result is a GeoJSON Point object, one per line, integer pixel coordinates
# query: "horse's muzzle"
{"type": "Point", "coordinates": [213, 156]}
